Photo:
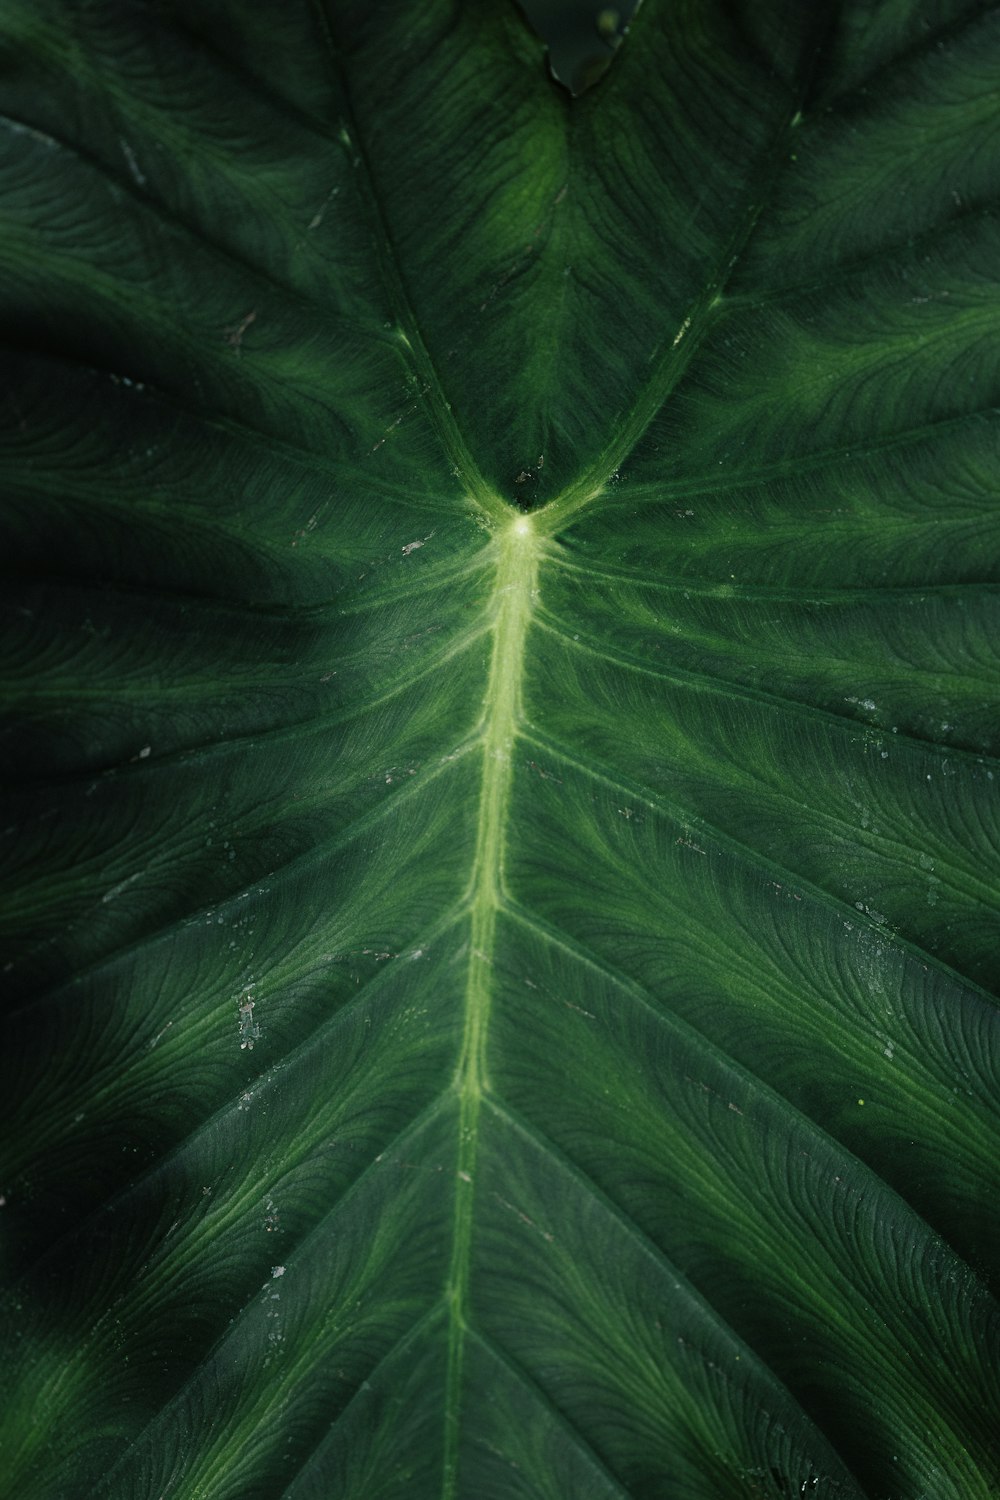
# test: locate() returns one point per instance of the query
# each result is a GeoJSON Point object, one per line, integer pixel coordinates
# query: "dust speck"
{"type": "Point", "coordinates": [138, 176]}
{"type": "Point", "coordinates": [249, 1028]}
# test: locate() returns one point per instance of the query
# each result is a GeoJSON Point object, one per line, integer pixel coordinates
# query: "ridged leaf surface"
{"type": "Point", "coordinates": [501, 863]}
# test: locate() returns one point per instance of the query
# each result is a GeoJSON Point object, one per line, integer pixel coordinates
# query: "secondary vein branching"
{"type": "Point", "coordinates": [679, 346]}
{"type": "Point", "coordinates": [416, 352]}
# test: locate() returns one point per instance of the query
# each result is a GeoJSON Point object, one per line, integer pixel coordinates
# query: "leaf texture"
{"type": "Point", "coordinates": [501, 851]}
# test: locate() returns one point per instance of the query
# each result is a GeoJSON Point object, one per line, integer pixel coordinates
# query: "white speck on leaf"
{"type": "Point", "coordinates": [234, 335]}
{"type": "Point", "coordinates": [116, 890]}
{"type": "Point", "coordinates": [683, 330]}
{"type": "Point", "coordinates": [249, 1028]}
{"type": "Point", "coordinates": [137, 175]}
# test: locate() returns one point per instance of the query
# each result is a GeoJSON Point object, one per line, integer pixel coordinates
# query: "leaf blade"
{"type": "Point", "coordinates": [499, 946]}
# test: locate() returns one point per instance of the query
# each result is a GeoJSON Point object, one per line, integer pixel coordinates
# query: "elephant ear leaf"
{"type": "Point", "coordinates": [501, 843]}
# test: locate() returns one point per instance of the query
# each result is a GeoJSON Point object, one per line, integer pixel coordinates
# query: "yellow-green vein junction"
{"type": "Point", "coordinates": [511, 607]}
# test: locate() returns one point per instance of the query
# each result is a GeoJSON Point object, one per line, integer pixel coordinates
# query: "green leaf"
{"type": "Point", "coordinates": [501, 863]}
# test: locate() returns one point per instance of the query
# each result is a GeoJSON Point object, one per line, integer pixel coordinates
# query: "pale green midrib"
{"type": "Point", "coordinates": [511, 608]}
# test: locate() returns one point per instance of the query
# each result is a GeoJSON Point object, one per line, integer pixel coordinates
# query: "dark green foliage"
{"type": "Point", "coordinates": [501, 856]}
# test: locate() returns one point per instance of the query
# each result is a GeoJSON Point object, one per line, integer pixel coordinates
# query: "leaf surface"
{"type": "Point", "coordinates": [501, 863]}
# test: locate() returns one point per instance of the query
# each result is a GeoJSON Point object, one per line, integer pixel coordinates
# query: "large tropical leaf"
{"type": "Point", "coordinates": [502, 868]}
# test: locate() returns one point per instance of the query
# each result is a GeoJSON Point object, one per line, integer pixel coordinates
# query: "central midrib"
{"type": "Point", "coordinates": [511, 607]}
